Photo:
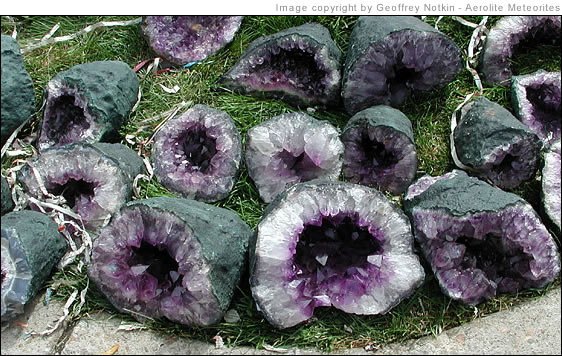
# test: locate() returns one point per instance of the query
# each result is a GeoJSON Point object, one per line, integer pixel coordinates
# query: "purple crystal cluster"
{"type": "Point", "coordinates": [186, 39]}
{"type": "Point", "coordinates": [551, 183]}
{"type": "Point", "coordinates": [480, 241]}
{"type": "Point", "coordinates": [508, 36]}
{"type": "Point", "coordinates": [292, 148]}
{"type": "Point", "coordinates": [198, 153]}
{"type": "Point", "coordinates": [332, 244]}
{"type": "Point", "coordinates": [536, 100]}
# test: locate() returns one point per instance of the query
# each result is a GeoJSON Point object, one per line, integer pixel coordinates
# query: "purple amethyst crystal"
{"type": "Point", "coordinates": [292, 148]}
{"type": "Point", "coordinates": [551, 184]}
{"type": "Point", "coordinates": [171, 258]}
{"type": "Point", "coordinates": [331, 244]}
{"type": "Point", "coordinates": [479, 240]}
{"type": "Point", "coordinates": [379, 149]}
{"type": "Point", "coordinates": [300, 65]}
{"type": "Point", "coordinates": [185, 39]}
{"type": "Point", "coordinates": [390, 56]}
{"type": "Point", "coordinates": [510, 34]}
{"type": "Point", "coordinates": [536, 101]}
{"type": "Point", "coordinates": [198, 153]}
{"type": "Point", "coordinates": [95, 179]}
{"type": "Point", "coordinates": [494, 145]}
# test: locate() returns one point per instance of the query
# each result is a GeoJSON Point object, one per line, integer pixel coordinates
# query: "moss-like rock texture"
{"type": "Point", "coordinates": [7, 202]}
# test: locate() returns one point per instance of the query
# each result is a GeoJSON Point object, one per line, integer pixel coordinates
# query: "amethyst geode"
{"type": "Point", "coordinates": [379, 149]}
{"type": "Point", "coordinates": [186, 39]}
{"type": "Point", "coordinates": [198, 153]}
{"type": "Point", "coordinates": [479, 240]}
{"type": "Point", "coordinates": [88, 103]}
{"type": "Point", "coordinates": [292, 148]}
{"type": "Point", "coordinates": [31, 247]}
{"type": "Point", "coordinates": [536, 101]}
{"type": "Point", "coordinates": [551, 184]}
{"type": "Point", "coordinates": [299, 65]}
{"type": "Point", "coordinates": [331, 244]}
{"type": "Point", "coordinates": [95, 179]}
{"type": "Point", "coordinates": [508, 36]}
{"type": "Point", "coordinates": [171, 258]}
{"type": "Point", "coordinates": [494, 145]}
{"type": "Point", "coordinates": [390, 56]}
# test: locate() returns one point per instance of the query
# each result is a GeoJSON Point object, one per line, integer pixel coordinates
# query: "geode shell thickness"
{"type": "Point", "coordinates": [31, 247]}
{"type": "Point", "coordinates": [479, 240]}
{"type": "Point", "coordinates": [331, 244]}
{"type": "Point", "coordinates": [95, 179]}
{"type": "Point", "coordinates": [390, 56]}
{"type": "Point", "coordinates": [380, 149]}
{"type": "Point", "coordinates": [510, 34]}
{"type": "Point", "coordinates": [186, 39]}
{"type": "Point", "coordinates": [551, 184]}
{"type": "Point", "coordinates": [494, 144]}
{"type": "Point", "coordinates": [198, 153]}
{"type": "Point", "coordinates": [292, 148]}
{"type": "Point", "coordinates": [18, 98]}
{"type": "Point", "coordinates": [299, 65]}
{"type": "Point", "coordinates": [88, 103]}
{"type": "Point", "coordinates": [171, 258]}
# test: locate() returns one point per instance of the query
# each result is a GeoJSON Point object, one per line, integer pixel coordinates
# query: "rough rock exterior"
{"type": "Point", "coordinates": [7, 202]}
{"type": "Point", "coordinates": [551, 184]}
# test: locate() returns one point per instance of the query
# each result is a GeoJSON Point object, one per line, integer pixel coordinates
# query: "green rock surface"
{"type": "Point", "coordinates": [382, 115]}
{"type": "Point", "coordinates": [7, 202]}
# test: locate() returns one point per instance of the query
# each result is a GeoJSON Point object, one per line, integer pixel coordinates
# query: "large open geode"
{"type": "Point", "coordinates": [197, 154]}
{"type": "Point", "coordinates": [380, 149]}
{"type": "Point", "coordinates": [88, 103]}
{"type": "Point", "coordinates": [186, 39]}
{"type": "Point", "coordinates": [292, 148]}
{"type": "Point", "coordinates": [508, 36]}
{"type": "Point", "coordinates": [494, 145]}
{"type": "Point", "coordinates": [390, 56]}
{"type": "Point", "coordinates": [331, 244]}
{"type": "Point", "coordinates": [95, 179]}
{"type": "Point", "coordinates": [479, 240]}
{"type": "Point", "coordinates": [536, 102]}
{"type": "Point", "coordinates": [31, 247]}
{"type": "Point", "coordinates": [171, 258]}
{"type": "Point", "coordinates": [551, 184]}
{"type": "Point", "coordinates": [299, 65]}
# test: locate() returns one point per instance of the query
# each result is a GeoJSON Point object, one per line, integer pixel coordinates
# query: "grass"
{"type": "Point", "coordinates": [426, 312]}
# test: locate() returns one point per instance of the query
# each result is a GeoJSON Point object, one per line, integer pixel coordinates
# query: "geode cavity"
{"type": "Point", "coordinates": [198, 153]}
{"type": "Point", "coordinates": [551, 184]}
{"type": "Point", "coordinates": [479, 240]}
{"type": "Point", "coordinates": [325, 244]}
{"type": "Point", "coordinates": [536, 102]}
{"type": "Point", "coordinates": [171, 258]}
{"type": "Point", "coordinates": [292, 148]}
{"type": "Point", "coordinates": [299, 65]}
{"type": "Point", "coordinates": [88, 103]}
{"type": "Point", "coordinates": [95, 179]}
{"type": "Point", "coordinates": [510, 35]}
{"type": "Point", "coordinates": [494, 145]}
{"type": "Point", "coordinates": [379, 149]}
{"type": "Point", "coordinates": [186, 39]}
{"type": "Point", "coordinates": [391, 56]}
{"type": "Point", "coordinates": [31, 247]}
{"type": "Point", "coordinates": [18, 98]}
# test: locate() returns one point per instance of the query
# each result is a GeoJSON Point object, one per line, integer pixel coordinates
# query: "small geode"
{"type": "Point", "coordinates": [292, 148]}
{"type": "Point", "coordinates": [186, 39]}
{"type": "Point", "coordinates": [95, 179]}
{"type": "Point", "coordinates": [536, 101]}
{"type": "Point", "coordinates": [198, 153]}
{"type": "Point", "coordinates": [18, 98]}
{"type": "Point", "coordinates": [379, 149]}
{"type": "Point", "coordinates": [390, 56]}
{"type": "Point", "coordinates": [551, 184]}
{"type": "Point", "coordinates": [299, 65]}
{"type": "Point", "coordinates": [508, 36]}
{"type": "Point", "coordinates": [88, 103]}
{"type": "Point", "coordinates": [7, 202]}
{"type": "Point", "coordinates": [171, 258]}
{"type": "Point", "coordinates": [31, 247]}
{"type": "Point", "coordinates": [479, 240]}
{"type": "Point", "coordinates": [331, 244]}
{"type": "Point", "coordinates": [494, 145]}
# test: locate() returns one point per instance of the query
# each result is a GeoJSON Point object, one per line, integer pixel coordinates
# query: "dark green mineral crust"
{"type": "Point", "coordinates": [7, 202]}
